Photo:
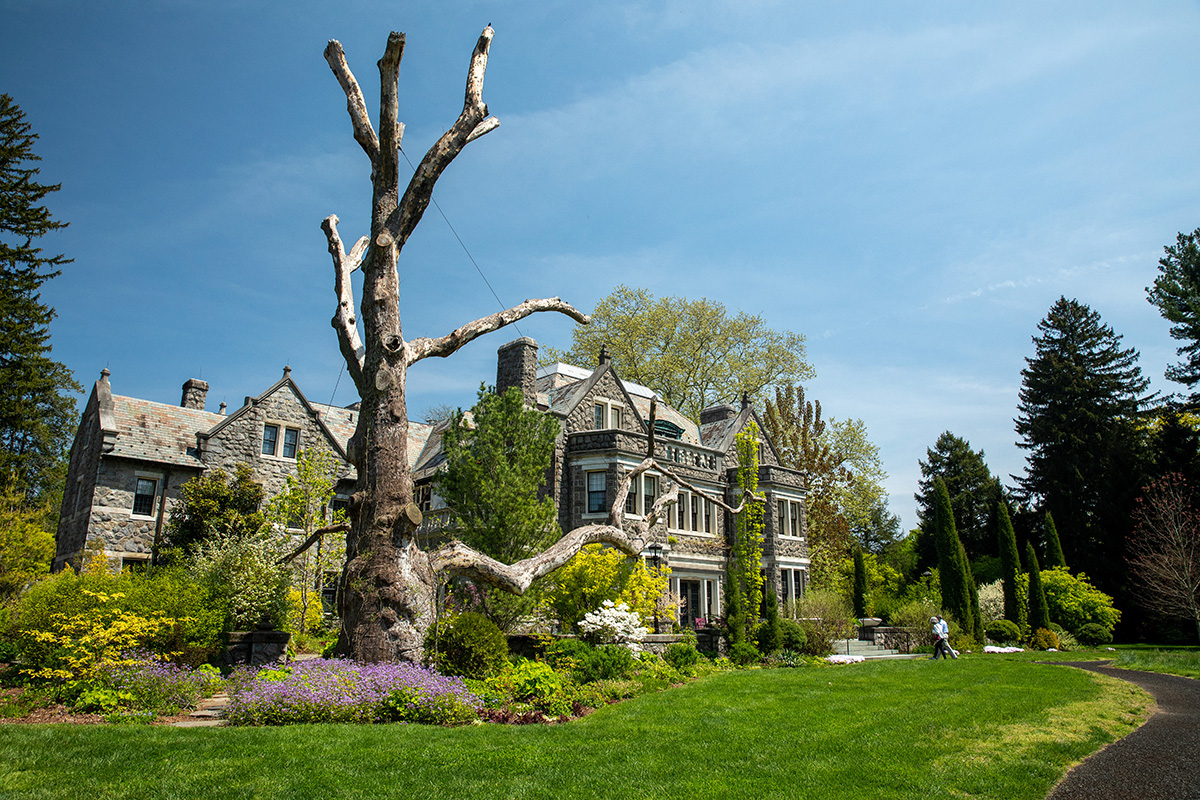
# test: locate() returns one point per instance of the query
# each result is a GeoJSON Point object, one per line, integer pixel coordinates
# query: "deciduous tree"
{"type": "Point", "coordinates": [693, 353]}
{"type": "Point", "coordinates": [389, 584]}
{"type": "Point", "coordinates": [1164, 552]}
{"type": "Point", "coordinates": [36, 404]}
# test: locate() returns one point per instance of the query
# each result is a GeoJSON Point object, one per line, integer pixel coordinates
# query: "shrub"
{"type": "Point", "coordinates": [1003, 631]}
{"type": "Point", "coordinates": [606, 662]}
{"type": "Point", "coordinates": [791, 636]}
{"type": "Point", "coordinates": [469, 645]}
{"type": "Point", "coordinates": [1093, 635]}
{"type": "Point", "coordinates": [345, 691]}
{"type": "Point", "coordinates": [1044, 639]}
{"type": "Point", "coordinates": [991, 601]}
{"type": "Point", "coordinates": [567, 654]}
{"type": "Point", "coordinates": [612, 623]}
{"type": "Point", "coordinates": [145, 682]}
{"type": "Point", "coordinates": [681, 656]}
{"type": "Point", "coordinates": [242, 575]}
{"type": "Point", "coordinates": [533, 680]}
{"type": "Point", "coordinates": [1073, 602]}
{"type": "Point", "coordinates": [743, 654]}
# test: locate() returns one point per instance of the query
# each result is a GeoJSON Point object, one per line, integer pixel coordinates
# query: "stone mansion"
{"type": "Point", "coordinates": [130, 457]}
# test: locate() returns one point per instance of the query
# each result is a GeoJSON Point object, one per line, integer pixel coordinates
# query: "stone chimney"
{"type": "Point", "coordinates": [516, 365]}
{"type": "Point", "coordinates": [195, 392]}
{"type": "Point", "coordinates": [717, 413]}
{"type": "Point", "coordinates": [604, 357]}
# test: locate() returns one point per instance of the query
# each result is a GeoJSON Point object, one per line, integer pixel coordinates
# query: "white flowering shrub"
{"type": "Point", "coordinates": [991, 601]}
{"type": "Point", "coordinates": [613, 624]}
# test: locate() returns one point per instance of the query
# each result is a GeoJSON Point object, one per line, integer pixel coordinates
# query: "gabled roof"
{"type": "Point", "coordinates": [150, 431]}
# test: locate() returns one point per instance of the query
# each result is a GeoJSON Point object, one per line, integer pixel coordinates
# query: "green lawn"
{"type": "Point", "coordinates": [978, 727]}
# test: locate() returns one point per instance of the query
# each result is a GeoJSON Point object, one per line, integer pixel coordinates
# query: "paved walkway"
{"type": "Point", "coordinates": [1158, 761]}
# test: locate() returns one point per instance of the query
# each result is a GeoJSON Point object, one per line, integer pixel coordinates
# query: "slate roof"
{"type": "Point", "coordinates": [151, 431]}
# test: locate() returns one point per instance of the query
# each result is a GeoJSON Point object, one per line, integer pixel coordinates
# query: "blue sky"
{"type": "Point", "coordinates": [910, 185]}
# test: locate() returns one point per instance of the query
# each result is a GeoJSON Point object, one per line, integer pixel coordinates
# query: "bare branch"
{"type": "Point", "coordinates": [471, 124]}
{"type": "Point", "coordinates": [424, 347]}
{"type": "Point", "coordinates": [343, 319]}
{"type": "Point", "coordinates": [343, 527]}
{"type": "Point", "coordinates": [390, 130]}
{"type": "Point", "coordinates": [364, 134]}
{"type": "Point", "coordinates": [487, 126]}
{"type": "Point", "coordinates": [456, 558]}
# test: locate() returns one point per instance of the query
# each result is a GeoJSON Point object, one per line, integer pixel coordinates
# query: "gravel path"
{"type": "Point", "coordinates": [1158, 761]}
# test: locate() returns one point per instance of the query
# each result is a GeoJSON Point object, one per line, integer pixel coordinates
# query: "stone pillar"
{"type": "Point", "coordinates": [516, 365]}
{"type": "Point", "coordinates": [195, 392]}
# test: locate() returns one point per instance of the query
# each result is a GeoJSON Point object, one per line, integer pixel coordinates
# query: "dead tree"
{"type": "Point", "coordinates": [389, 584]}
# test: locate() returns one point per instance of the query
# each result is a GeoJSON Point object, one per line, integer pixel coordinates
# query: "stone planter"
{"type": "Point", "coordinates": [255, 647]}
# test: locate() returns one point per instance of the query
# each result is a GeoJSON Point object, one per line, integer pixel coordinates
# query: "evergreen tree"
{"type": "Point", "coordinates": [735, 620]}
{"type": "Point", "coordinates": [1054, 553]}
{"type": "Point", "coordinates": [972, 496]}
{"type": "Point", "coordinates": [36, 407]}
{"type": "Point", "coordinates": [952, 566]}
{"type": "Point", "coordinates": [973, 597]}
{"type": "Point", "coordinates": [1176, 292]}
{"type": "Point", "coordinates": [768, 631]}
{"type": "Point", "coordinates": [860, 585]}
{"type": "Point", "coordinates": [1010, 562]}
{"type": "Point", "coordinates": [1039, 611]}
{"type": "Point", "coordinates": [496, 466]}
{"type": "Point", "coordinates": [1080, 396]}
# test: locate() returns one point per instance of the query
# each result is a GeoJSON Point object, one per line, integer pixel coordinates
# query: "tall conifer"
{"type": "Point", "coordinates": [36, 407]}
{"type": "Point", "coordinates": [1010, 566]}
{"type": "Point", "coordinates": [1039, 612]}
{"type": "Point", "coordinates": [1054, 553]}
{"type": "Point", "coordinates": [952, 567]}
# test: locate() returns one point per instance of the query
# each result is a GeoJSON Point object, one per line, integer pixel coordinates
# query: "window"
{"type": "Point", "coordinates": [649, 493]}
{"type": "Point", "coordinates": [143, 496]}
{"type": "Point", "coordinates": [709, 513]}
{"type": "Point", "coordinates": [423, 496]}
{"type": "Point", "coordinates": [290, 438]}
{"type": "Point", "coordinates": [341, 504]}
{"type": "Point", "coordinates": [138, 563]}
{"type": "Point", "coordinates": [270, 439]}
{"type": "Point", "coordinates": [795, 528]}
{"type": "Point", "coordinates": [681, 511]}
{"type": "Point", "coordinates": [631, 498]}
{"type": "Point", "coordinates": [271, 443]}
{"type": "Point", "coordinates": [605, 414]}
{"type": "Point", "coordinates": [695, 526]}
{"type": "Point", "coordinates": [597, 489]}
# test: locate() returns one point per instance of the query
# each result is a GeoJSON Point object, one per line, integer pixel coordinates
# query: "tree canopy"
{"type": "Point", "coordinates": [972, 492]}
{"type": "Point", "coordinates": [1176, 293]}
{"type": "Point", "coordinates": [1080, 398]}
{"type": "Point", "coordinates": [36, 406]}
{"type": "Point", "coordinates": [693, 353]}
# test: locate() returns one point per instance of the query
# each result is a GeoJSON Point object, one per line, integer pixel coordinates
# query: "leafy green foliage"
{"type": "Point", "coordinates": [692, 352]}
{"type": "Point", "coordinates": [244, 579]}
{"type": "Point", "coordinates": [26, 547]}
{"type": "Point", "coordinates": [681, 655]}
{"type": "Point", "coordinates": [1073, 602]}
{"type": "Point", "coordinates": [745, 549]}
{"type": "Point", "coordinates": [1003, 631]}
{"type": "Point", "coordinates": [972, 490]}
{"type": "Point", "coordinates": [1010, 561]}
{"type": "Point", "coordinates": [36, 404]}
{"type": "Point", "coordinates": [1054, 553]}
{"type": "Point", "coordinates": [1093, 635]}
{"type": "Point", "coordinates": [1039, 611]}
{"type": "Point", "coordinates": [216, 504]}
{"type": "Point", "coordinates": [469, 644]}
{"type": "Point", "coordinates": [1176, 293]}
{"type": "Point", "coordinates": [743, 654]}
{"type": "Point", "coordinates": [791, 636]}
{"type": "Point", "coordinates": [605, 662]}
{"type": "Point", "coordinates": [597, 574]}
{"type": "Point", "coordinates": [957, 582]}
{"type": "Point", "coordinates": [1044, 639]}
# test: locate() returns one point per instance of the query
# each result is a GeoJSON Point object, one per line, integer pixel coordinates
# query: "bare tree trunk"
{"type": "Point", "coordinates": [389, 585]}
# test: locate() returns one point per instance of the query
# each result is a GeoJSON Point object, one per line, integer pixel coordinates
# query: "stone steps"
{"type": "Point", "coordinates": [209, 713]}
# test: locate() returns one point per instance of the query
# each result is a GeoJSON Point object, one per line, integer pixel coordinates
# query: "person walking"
{"type": "Point", "coordinates": [941, 638]}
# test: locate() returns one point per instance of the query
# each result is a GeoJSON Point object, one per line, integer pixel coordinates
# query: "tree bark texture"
{"type": "Point", "coordinates": [389, 585]}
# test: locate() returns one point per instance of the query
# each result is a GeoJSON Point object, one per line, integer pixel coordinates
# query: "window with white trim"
{"type": "Point", "coordinates": [789, 518]}
{"type": "Point", "coordinates": [649, 493]}
{"type": "Point", "coordinates": [597, 490]}
{"type": "Point", "coordinates": [143, 497]}
{"type": "Point", "coordinates": [606, 414]}
{"type": "Point", "coordinates": [631, 498]}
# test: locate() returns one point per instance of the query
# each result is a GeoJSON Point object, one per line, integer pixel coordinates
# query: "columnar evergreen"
{"type": "Point", "coordinates": [1039, 611]}
{"type": "Point", "coordinates": [952, 563]}
{"type": "Point", "coordinates": [36, 407]}
{"type": "Point", "coordinates": [1010, 565]}
{"type": "Point", "coordinates": [1054, 553]}
{"type": "Point", "coordinates": [860, 585]}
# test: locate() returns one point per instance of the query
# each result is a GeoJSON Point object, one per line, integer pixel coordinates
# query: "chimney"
{"type": "Point", "coordinates": [195, 392]}
{"type": "Point", "coordinates": [604, 357]}
{"type": "Point", "coordinates": [717, 413]}
{"type": "Point", "coordinates": [516, 365]}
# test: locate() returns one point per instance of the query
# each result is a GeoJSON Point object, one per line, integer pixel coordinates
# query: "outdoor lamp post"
{"type": "Point", "coordinates": [655, 555]}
